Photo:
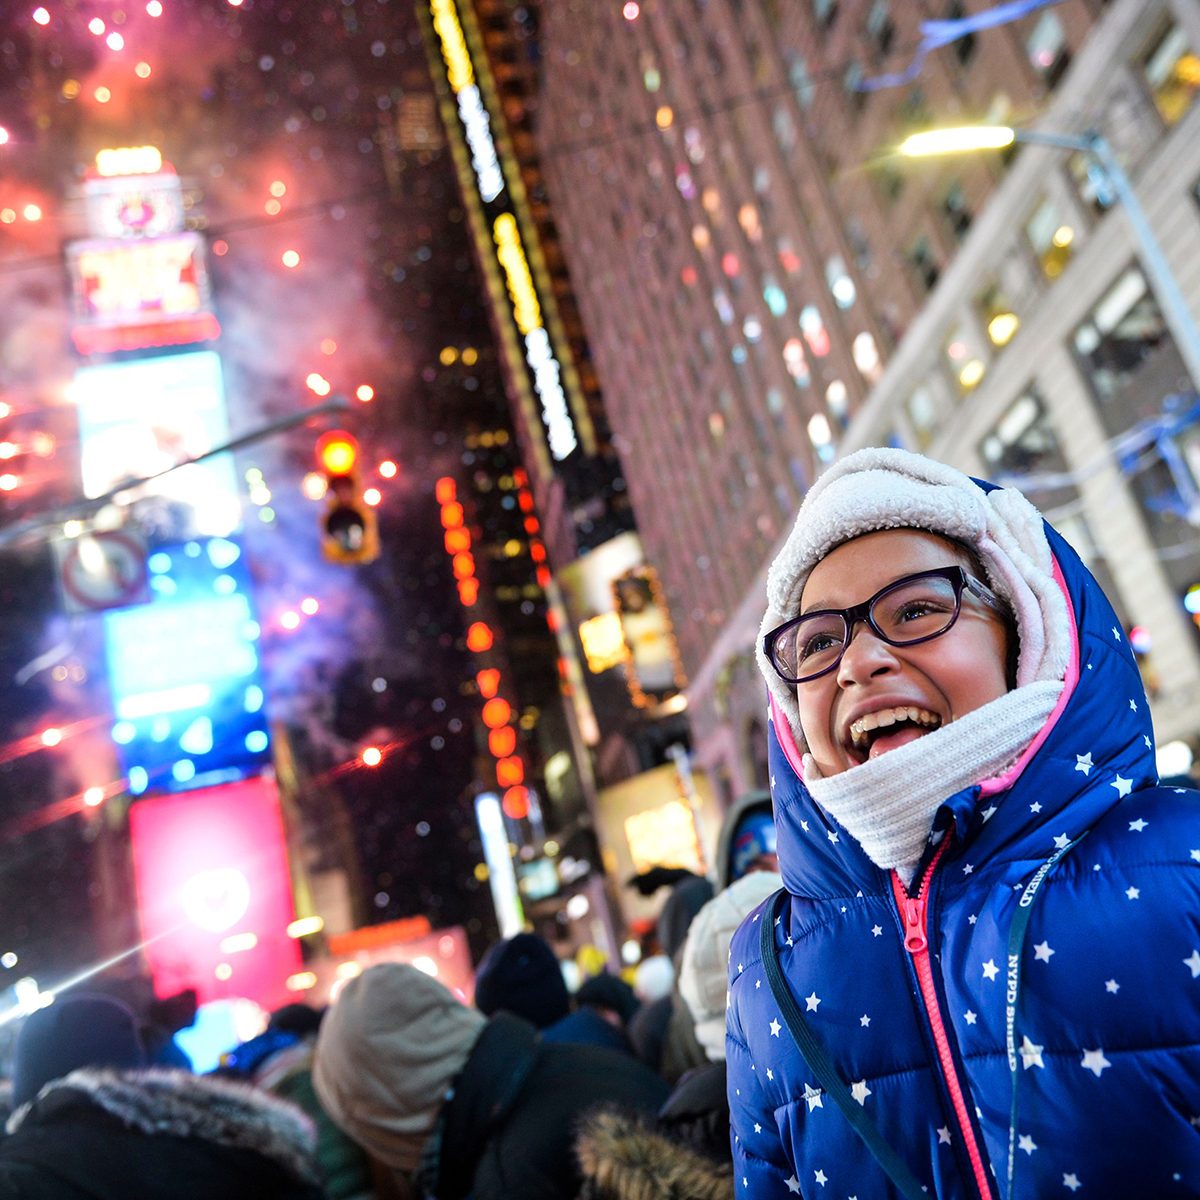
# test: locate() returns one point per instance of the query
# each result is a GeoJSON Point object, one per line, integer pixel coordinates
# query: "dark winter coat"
{"type": "Point", "coordinates": [1107, 1032]}
{"type": "Point", "coordinates": [156, 1135]}
{"type": "Point", "coordinates": [509, 1129]}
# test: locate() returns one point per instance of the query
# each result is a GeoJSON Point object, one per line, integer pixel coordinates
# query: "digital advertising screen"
{"type": "Point", "coordinates": [184, 673]}
{"type": "Point", "coordinates": [139, 418]}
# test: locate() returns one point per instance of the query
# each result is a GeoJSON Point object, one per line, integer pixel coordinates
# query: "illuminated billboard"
{"type": "Point", "coordinates": [214, 893]}
{"type": "Point", "coordinates": [139, 418]}
{"type": "Point", "coordinates": [134, 206]}
{"type": "Point", "coordinates": [137, 294]}
{"type": "Point", "coordinates": [522, 299]}
{"type": "Point", "coordinates": [184, 674]}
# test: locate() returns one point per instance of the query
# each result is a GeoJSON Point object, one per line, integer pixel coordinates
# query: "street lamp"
{"type": "Point", "coordinates": [968, 138]}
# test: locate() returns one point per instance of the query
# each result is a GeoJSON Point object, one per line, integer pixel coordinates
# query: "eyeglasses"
{"type": "Point", "coordinates": [914, 609]}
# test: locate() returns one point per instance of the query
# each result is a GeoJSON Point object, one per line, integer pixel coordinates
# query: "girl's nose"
{"type": "Point", "coordinates": [866, 655]}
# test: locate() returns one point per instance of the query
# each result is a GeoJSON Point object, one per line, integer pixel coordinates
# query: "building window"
{"type": "Point", "coordinates": [1047, 49]}
{"type": "Point", "coordinates": [1120, 334]}
{"type": "Point", "coordinates": [825, 12]}
{"type": "Point", "coordinates": [966, 367]}
{"type": "Point", "coordinates": [922, 416]}
{"type": "Point", "coordinates": [785, 129]}
{"type": "Point", "coordinates": [1171, 72]}
{"type": "Point", "coordinates": [1051, 239]}
{"type": "Point", "coordinates": [800, 80]}
{"type": "Point", "coordinates": [924, 264]}
{"type": "Point", "coordinates": [956, 211]}
{"type": "Point", "coordinates": [1023, 440]}
{"type": "Point", "coordinates": [841, 286]}
{"type": "Point", "coordinates": [866, 357]}
{"type": "Point", "coordinates": [880, 27]}
{"type": "Point", "coordinates": [999, 318]}
{"type": "Point", "coordinates": [964, 47]}
{"type": "Point", "coordinates": [1091, 182]}
{"type": "Point", "coordinates": [852, 77]}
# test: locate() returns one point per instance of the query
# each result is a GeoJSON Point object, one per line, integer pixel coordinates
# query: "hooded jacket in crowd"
{"type": "Point", "coordinates": [909, 989]}
{"type": "Point", "coordinates": [465, 1105]}
{"type": "Point", "coordinates": [156, 1135]}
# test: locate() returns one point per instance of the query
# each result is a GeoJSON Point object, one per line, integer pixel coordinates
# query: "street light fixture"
{"type": "Point", "coordinates": [966, 139]}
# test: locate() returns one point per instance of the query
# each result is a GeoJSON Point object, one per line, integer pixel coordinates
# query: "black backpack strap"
{"type": "Point", "coordinates": [821, 1065]}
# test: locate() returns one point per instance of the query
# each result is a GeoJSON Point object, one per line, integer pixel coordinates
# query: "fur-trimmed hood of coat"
{"type": "Point", "coordinates": [623, 1158]}
{"type": "Point", "coordinates": [170, 1103]}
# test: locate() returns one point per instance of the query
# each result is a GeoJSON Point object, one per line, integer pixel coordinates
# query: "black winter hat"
{"type": "Point", "coordinates": [522, 976]}
{"type": "Point", "coordinates": [611, 992]}
{"type": "Point", "coordinates": [74, 1032]}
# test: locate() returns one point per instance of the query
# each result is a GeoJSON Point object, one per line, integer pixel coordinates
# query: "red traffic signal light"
{"type": "Point", "coordinates": [337, 452]}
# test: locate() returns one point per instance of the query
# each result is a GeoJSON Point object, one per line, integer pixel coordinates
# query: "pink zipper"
{"type": "Point", "coordinates": [915, 911]}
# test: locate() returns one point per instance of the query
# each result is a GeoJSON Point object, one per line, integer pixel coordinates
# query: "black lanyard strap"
{"type": "Point", "coordinates": [821, 1065]}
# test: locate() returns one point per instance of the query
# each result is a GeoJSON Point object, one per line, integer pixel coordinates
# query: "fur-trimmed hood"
{"type": "Point", "coordinates": [622, 1158]}
{"type": "Point", "coordinates": [168, 1103]}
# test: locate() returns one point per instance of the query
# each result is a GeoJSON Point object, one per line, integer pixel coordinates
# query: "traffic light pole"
{"type": "Point", "coordinates": [85, 505]}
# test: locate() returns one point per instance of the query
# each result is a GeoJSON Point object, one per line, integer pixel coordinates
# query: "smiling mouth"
{"type": "Point", "coordinates": [871, 726]}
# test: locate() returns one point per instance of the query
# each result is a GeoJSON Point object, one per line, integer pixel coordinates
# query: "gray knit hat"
{"type": "Point", "coordinates": [877, 489]}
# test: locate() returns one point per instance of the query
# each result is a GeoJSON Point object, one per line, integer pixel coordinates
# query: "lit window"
{"type": "Point", "coordinates": [785, 130]}
{"type": "Point", "coordinates": [821, 436]}
{"type": "Point", "coordinates": [1022, 440]}
{"type": "Point", "coordinates": [701, 238]}
{"type": "Point", "coordinates": [966, 366]}
{"type": "Point", "coordinates": [1047, 48]}
{"type": "Point", "coordinates": [795, 362]}
{"type": "Point", "coordinates": [999, 318]}
{"type": "Point", "coordinates": [800, 80]}
{"type": "Point", "coordinates": [722, 305]}
{"type": "Point", "coordinates": [825, 12]}
{"type": "Point", "coordinates": [837, 400]}
{"type": "Point", "coordinates": [1120, 334]}
{"type": "Point", "coordinates": [752, 329]}
{"type": "Point", "coordinates": [841, 286]}
{"type": "Point", "coordinates": [1052, 240]}
{"type": "Point", "coordinates": [710, 199]}
{"type": "Point", "coordinates": [693, 144]}
{"type": "Point", "coordinates": [748, 220]}
{"type": "Point", "coordinates": [880, 27]}
{"type": "Point", "coordinates": [774, 297]}
{"type": "Point", "coordinates": [813, 328]}
{"type": "Point", "coordinates": [790, 261]}
{"type": "Point", "coordinates": [866, 357]}
{"type": "Point", "coordinates": [1172, 73]}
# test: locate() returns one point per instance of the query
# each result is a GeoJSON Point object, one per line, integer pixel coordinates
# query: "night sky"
{"type": "Point", "coordinates": [295, 127]}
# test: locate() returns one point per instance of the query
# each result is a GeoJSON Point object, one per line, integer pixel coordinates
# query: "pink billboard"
{"type": "Point", "coordinates": [214, 893]}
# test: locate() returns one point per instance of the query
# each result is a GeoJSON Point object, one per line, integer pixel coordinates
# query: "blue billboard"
{"type": "Point", "coordinates": [184, 672]}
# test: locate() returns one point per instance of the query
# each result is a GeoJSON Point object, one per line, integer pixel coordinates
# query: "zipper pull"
{"type": "Point", "coordinates": [915, 939]}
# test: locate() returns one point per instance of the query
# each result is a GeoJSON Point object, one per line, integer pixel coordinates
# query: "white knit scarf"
{"type": "Point", "coordinates": [888, 803]}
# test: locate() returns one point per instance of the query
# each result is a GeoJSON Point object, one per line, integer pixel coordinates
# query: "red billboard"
{"type": "Point", "coordinates": [214, 893]}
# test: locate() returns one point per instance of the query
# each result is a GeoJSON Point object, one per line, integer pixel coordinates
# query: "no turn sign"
{"type": "Point", "coordinates": [102, 570]}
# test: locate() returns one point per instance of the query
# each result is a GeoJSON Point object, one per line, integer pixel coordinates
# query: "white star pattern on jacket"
{"type": "Point", "coordinates": [811, 1002]}
{"type": "Point", "coordinates": [944, 1136]}
{"type": "Point", "coordinates": [1094, 1061]}
{"type": "Point", "coordinates": [1031, 1054]}
{"type": "Point", "coordinates": [1112, 985]}
{"type": "Point", "coordinates": [1123, 786]}
{"type": "Point", "coordinates": [860, 1091]}
{"type": "Point", "coordinates": [971, 1018]}
{"type": "Point", "coordinates": [812, 1097]}
{"type": "Point", "coordinates": [1026, 1143]}
{"type": "Point", "coordinates": [775, 1028]}
{"type": "Point", "coordinates": [990, 970]}
{"type": "Point", "coordinates": [1062, 841]}
{"type": "Point", "coordinates": [1042, 952]}
{"type": "Point", "coordinates": [821, 1177]}
{"type": "Point", "coordinates": [1083, 762]}
{"type": "Point", "coordinates": [1193, 963]}
{"type": "Point", "coordinates": [1138, 825]}
{"type": "Point", "coordinates": [1072, 1181]}
{"type": "Point", "coordinates": [793, 1184]}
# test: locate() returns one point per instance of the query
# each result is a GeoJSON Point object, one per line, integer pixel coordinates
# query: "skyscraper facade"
{"type": "Point", "coordinates": [767, 285]}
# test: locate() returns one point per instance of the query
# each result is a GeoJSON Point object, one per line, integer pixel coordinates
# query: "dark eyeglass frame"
{"type": "Point", "coordinates": [956, 576]}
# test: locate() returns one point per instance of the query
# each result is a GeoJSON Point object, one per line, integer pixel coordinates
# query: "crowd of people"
{"type": "Point", "coordinates": [952, 953]}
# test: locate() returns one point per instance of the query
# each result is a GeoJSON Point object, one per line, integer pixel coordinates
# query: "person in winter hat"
{"type": "Point", "coordinates": [983, 978]}
{"type": "Point", "coordinates": [457, 1104]}
{"type": "Point", "coordinates": [73, 1032]}
{"type": "Point", "coordinates": [522, 975]}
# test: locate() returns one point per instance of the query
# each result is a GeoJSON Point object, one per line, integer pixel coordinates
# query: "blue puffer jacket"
{"type": "Point", "coordinates": [1108, 1004]}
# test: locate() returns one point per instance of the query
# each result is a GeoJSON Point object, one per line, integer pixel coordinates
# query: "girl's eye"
{"type": "Point", "coordinates": [818, 644]}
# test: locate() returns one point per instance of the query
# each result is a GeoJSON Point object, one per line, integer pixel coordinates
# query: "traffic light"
{"type": "Point", "coordinates": [349, 528]}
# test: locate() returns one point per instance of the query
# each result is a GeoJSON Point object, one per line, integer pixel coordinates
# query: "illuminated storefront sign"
{"type": "Point", "coordinates": [527, 312]}
{"type": "Point", "coordinates": [140, 417]}
{"type": "Point", "coordinates": [461, 77]}
{"type": "Point", "coordinates": [214, 893]}
{"type": "Point", "coordinates": [132, 295]}
{"type": "Point", "coordinates": [542, 366]}
{"type": "Point", "coordinates": [139, 206]}
{"type": "Point", "coordinates": [183, 670]}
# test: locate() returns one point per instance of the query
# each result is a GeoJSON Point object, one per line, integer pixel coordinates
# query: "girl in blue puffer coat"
{"type": "Point", "coordinates": [982, 976]}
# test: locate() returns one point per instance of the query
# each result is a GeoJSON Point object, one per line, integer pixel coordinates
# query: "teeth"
{"type": "Point", "coordinates": [889, 716]}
